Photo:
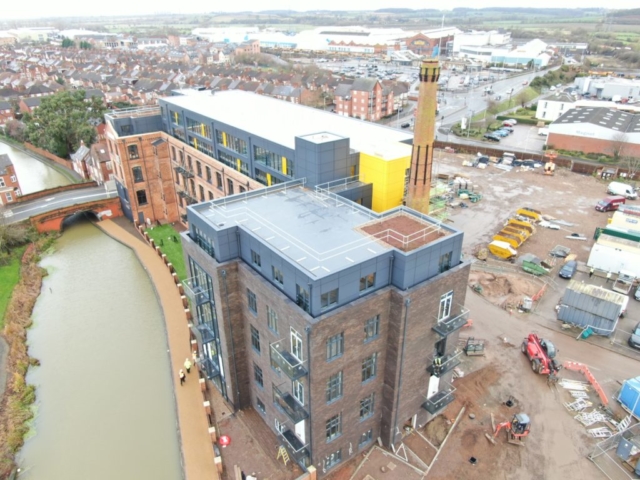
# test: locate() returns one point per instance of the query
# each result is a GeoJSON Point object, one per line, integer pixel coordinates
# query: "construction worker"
{"type": "Point", "coordinates": [591, 272]}
{"type": "Point", "coordinates": [437, 363]}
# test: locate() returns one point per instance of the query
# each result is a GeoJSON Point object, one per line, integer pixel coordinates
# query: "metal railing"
{"type": "Point", "coordinates": [289, 405]}
{"type": "Point", "coordinates": [440, 399]}
{"type": "Point", "coordinates": [451, 324]}
{"type": "Point", "coordinates": [296, 447]}
{"type": "Point", "coordinates": [439, 365]}
{"type": "Point", "coordinates": [187, 172]}
{"type": "Point", "coordinates": [196, 292]}
{"type": "Point", "coordinates": [211, 368]}
{"type": "Point", "coordinates": [290, 365]}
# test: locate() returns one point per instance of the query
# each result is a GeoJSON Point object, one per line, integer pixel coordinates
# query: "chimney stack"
{"type": "Point", "coordinates": [419, 181]}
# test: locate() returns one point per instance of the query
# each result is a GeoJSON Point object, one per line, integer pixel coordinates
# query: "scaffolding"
{"type": "Point", "coordinates": [617, 456]}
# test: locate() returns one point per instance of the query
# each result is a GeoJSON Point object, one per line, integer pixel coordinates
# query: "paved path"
{"type": "Point", "coordinates": [197, 450]}
{"type": "Point", "coordinates": [4, 350]}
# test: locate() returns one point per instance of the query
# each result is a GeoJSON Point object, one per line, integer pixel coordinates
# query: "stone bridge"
{"type": "Point", "coordinates": [54, 219]}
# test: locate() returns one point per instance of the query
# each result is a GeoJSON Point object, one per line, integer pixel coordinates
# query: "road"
{"type": "Point", "coordinates": [22, 211]}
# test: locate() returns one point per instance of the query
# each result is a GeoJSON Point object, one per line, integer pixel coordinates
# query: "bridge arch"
{"type": "Point", "coordinates": [55, 219]}
{"type": "Point", "coordinates": [82, 215]}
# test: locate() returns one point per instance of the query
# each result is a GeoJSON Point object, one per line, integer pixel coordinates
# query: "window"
{"type": "Point", "coordinates": [260, 406]}
{"type": "Point", "coordinates": [334, 427]}
{"type": "Point", "coordinates": [302, 298]}
{"type": "Point", "coordinates": [335, 346]}
{"type": "Point", "coordinates": [257, 375]}
{"type": "Point", "coordinates": [255, 338]}
{"type": "Point", "coordinates": [296, 345]}
{"type": "Point", "coordinates": [255, 259]}
{"type": "Point", "coordinates": [332, 459]}
{"type": "Point", "coordinates": [272, 319]}
{"type": "Point", "coordinates": [368, 282]}
{"type": "Point", "coordinates": [9, 197]}
{"type": "Point", "coordinates": [365, 438]}
{"type": "Point", "coordinates": [366, 406]}
{"type": "Point", "coordinates": [445, 262]}
{"type": "Point", "coordinates": [298, 392]}
{"type": "Point", "coordinates": [369, 367]}
{"type": "Point", "coordinates": [198, 169]}
{"type": "Point", "coordinates": [242, 189]}
{"type": "Point", "coordinates": [201, 191]}
{"type": "Point", "coordinates": [2, 184]}
{"type": "Point", "coordinates": [252, 302]}
{"type": "Point", "coordinates": [280, 427]}
{"type": "Point", "coordinates": [372, 328]}
{"type": "Point", "coordinates": [219, 180]}
{"type": "Point", "coordinates": [210, 194]}
{"type": "Point", "coordinates": [133, 152]}
{"type": "Point", "coordinates": [328, 299]}
{"type": "Point", "coordinates": [278, 276]}
{"type": "Point", "coordinates": [142, 197]}
{"type": "Point", "coordinates": [229, 186]}
{"type": "Point", "coordinates": [125, 129]}
{"type": "Point", "coordinates": [334, 387]}
{"type": "Point", "coordinates": [13, 179]}
{"type": "Point", "coordinates": [445, 306]}
{"type": "Point", "coordinates": [208, 172]}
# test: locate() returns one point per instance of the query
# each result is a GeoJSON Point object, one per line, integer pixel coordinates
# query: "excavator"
{"type": "Point", "coordinates": [516, 429]}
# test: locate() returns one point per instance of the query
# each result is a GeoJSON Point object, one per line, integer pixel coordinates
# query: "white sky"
{"type": "Point", "coordinates": [45, 8]}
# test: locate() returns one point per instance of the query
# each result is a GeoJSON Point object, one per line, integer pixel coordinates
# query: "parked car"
{"type": "Point", "coordinates": [405, 125]}
{"type": "Point", "coordinates": [501, 133]}
{"type": "Point", "coordinates": [508, 129]}
{"type": "Point", "coordinates": [634, 339]}
{"type": "Point", "coordinates": [510, 122]}
{"type": "Point", "coordinates": [569, 269]}
{"type": "Point", "coordinates": [636, 294]}
{"type": "Point", "coordinates": [610, 203]}
{"type": "Point", "coordinates": [531, 163]}
{"type": "Point", "coordinates": [491, 137]}
{"type": "Point", "coordinates": [482, 159]}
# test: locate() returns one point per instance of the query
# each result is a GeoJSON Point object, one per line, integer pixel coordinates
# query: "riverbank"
{"type": "Point", "coordinates": [197, 449]}
{"type": "Point", "coordinates": [15, 407]}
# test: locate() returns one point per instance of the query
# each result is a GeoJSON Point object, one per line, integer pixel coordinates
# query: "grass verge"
{"type": "Point", "coordinates": [9, 277]}
{"type": "Point", "coordinates": [164, 237]}
{"type": "Point", "coordinates": [15, 407]}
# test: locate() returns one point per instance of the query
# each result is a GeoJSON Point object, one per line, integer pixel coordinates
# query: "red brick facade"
{"type": "Point", "coordinates": [590, 145]}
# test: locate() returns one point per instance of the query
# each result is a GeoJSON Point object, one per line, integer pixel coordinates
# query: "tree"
{"type": "Point", "coordinates": [62, 120]}
{"type": "Point", "coordinates": [632, 164]}
{"type": "Point", "coordinates": [67, 43]}
{"type": "Point", "coordinates": [522, 98]}
{"type": "Point", "coordinates": [618, 145]}
{"type": "Point", "coordinates": [15, 129]}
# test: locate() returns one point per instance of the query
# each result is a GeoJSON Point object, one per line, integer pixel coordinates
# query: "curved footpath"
{"type": "Point", "coordinates": [195, 440]}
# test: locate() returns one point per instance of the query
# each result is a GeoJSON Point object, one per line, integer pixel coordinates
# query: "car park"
{"type": "Point", "coordinates": [501, 133]}
{"type": "Point", "coordinates": [569, 269]}
{"type": "Point", "coordinates": [491, 137]}
{"type": "Point", "coordinates": [634, 339]}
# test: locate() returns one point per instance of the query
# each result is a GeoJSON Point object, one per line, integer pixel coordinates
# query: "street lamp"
{"type": "Point", "coordinates": [469, 125]}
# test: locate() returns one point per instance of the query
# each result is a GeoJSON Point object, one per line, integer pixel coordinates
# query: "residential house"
{"type": "Point", "coordinates": [79, 160]}
{"type": "Point", "coordinates": [98, 163]}
{"type": "Point", "coordinates": [9, 185]}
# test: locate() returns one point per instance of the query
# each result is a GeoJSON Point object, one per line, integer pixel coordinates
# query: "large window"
{"type": "Point", "coordinates": [257, 375]}
{"type": "Point", "coordinates": [219, 180]}
{"type": "Point", "coordinates": [251, 301]}
{"type": "Point", "coordinates": [298, 392]}
{"type": "Point", "coordinates": [137, 174]}
{"type": "Point", "coordinates": [335, 346]}
{"type": "Point", "coordinates": [369, 367]}
{"type": "Point", "coordinates": [208, 170]}
{"type": "Point", "coordinates": [235, 163]}
{"type": "Point", "coordinates": [255, 338]}
{"type": "Point", "coordinates": [365, 438]}
{"type": "Point", "coordinates": [296, 345]}
{"type": "Point", "coordinates": [334, 427]}
{"type": "Point", "coordinates": [272, 319]}
{"type": "Point", "coordinates": [260, 406]}
{"type": "Point", "coordinates": [445, 306]}
{"type": "Point", "coordinates": [142, 197]}
{"type": "Point", "coordinates": [329, 299]}
{"type": "Point", "coordinates": [232, 143]}
{"type": "Point", "coordinates": [273, 160]}
{"type": "Point", "coordinates": [332, 459]}
{"type": "Point", "coordinates": [366, 406]}
{"type": "Point", "coordinates": [229, 186]}
{"type": "Point", "coordinates": [372, 328]}
{"type": "Point", "coordinates": [176, 117]}
{"type": "Point", "coordinates": [367, 282]}
{"type": "Point", "coordinates": [199, 128]}
{"type": "Point", "coordinates": [302, 298]}
{"type": "Point", "coordinates": [255, 259]}
{"type": "Point", "coordinates": [202, 146]}
{"type": "Point", "coordinates": [278, 276]}
{"type": "Point", "coordinates": [445, 262]}
{"type": "Point", "coordinates": [133, 152]}
{"type": "Point", "coordinates": [334, 387]}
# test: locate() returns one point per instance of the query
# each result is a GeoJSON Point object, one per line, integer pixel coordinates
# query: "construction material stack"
{"type": "Point", "coordinates": [514, 233]}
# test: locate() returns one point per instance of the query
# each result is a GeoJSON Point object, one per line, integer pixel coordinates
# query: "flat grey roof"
{"type": "Point", "coordinates": [318, 231]}
{"type": "Point", "coordinates": [602, 116]}
{"type": "Point", "coordinates": [280, 121]}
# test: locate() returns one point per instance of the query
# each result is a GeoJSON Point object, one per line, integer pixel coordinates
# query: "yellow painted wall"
{"type": "Point", "coordinates": [224, 139]}
{"type": "Point", "coordinates": [268, 179]}
{"type": "Point", "coordinates": [284, 165]}
{"type": "Point", "coordinates": [387, 177]}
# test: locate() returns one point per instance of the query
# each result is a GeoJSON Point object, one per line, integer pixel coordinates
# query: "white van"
{"type": "Point", "coordinates": [617, 188]}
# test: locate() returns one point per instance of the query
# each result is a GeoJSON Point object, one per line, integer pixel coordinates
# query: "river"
{"type": "Point", "coordinates": [33, 174]}
{"type": "Point", "coordinates": [105, 401]}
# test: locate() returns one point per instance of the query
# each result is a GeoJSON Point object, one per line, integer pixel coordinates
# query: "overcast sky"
{"type": "Point", "coordinates": [43, 8]}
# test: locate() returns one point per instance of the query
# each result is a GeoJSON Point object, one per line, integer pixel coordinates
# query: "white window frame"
{"type": "Point", "coordinates": [298, 391]}
{"type": "Point", "coordinates": [296, 345]}
{"type": "Point", "coordinates": [9, 197]}
{"type": "Point", "coordinates": [280, 427]}
{"type": "Point", "coordinates": [13, 179]}
{"type": "Point", "coordinates": [446, 301]}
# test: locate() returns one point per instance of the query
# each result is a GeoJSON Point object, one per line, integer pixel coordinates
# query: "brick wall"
{"type": "Point", "coordinates": [589, 145]}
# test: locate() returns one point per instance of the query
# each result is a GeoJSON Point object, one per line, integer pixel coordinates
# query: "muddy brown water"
{"type": "Point", "coordinates": [33, 174]}
{"type": "Point", "coordinates": [105, 402]}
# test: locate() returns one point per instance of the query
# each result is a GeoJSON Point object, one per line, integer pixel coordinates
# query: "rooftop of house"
{"type": "Point", "coordinates": [281, 122]}
{"type": "Point", "coordinates": [5, 162]}
{"type": "Point", "coordinates": [605, 117]}
{"type": "Point", "coordinates": [323, 233]}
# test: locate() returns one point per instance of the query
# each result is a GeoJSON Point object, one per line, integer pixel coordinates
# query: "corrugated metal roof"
{"type": "Point", "coordinates": [596, 292]}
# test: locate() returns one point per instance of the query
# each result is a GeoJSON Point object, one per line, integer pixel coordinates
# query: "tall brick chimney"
{"type": "Point", "coordinates": [419, 181]}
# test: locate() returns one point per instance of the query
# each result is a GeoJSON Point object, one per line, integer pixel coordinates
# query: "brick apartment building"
{"type": "Point", "coordinates": [9, 185]}
{"type": "Point", "coordinates": [306, 309]}
{"type": "Point", "coordinates": [365, 99]}
{"type": "Point", "coordinates": [209, 146]}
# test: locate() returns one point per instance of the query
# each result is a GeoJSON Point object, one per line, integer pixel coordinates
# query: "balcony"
{"type": "Point", "coordinates": [187, 196]}
{"type": "Point", "coordinates": [450, 325]}
{"type": "Point", "coordinates": [294, 445]}
{"type": "Point", "coordinates": [291, 407]}
{"type": "Point", "coordinates": [211, 368]}
{"type": "Point", "coordinates": [197, 293]}
{"type": "Point", "coordinates": [184, 218]}
{"type": "Point", "coordinates": [441, 399]}
{"type": "Point", "coordinates": [440, 365]}
{"type": "Point", "coordinates": [290, 365]}
{"type": "Point", "coordinates": [188, 173]}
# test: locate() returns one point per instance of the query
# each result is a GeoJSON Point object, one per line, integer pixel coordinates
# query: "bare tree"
{"type": "Point", "coordinates": [618, 145]}
{"type": "Point", "coordinates": [522, 98]}
{"type": "Point", "coordinates": [632, 165]}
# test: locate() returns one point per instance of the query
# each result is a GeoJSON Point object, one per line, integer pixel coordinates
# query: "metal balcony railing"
{"type": "Point", "coordinates": [188, 173]}
{"type": "Point", "coordinates": [291, 407]}
{"type": "Point", "coordinates": [184, 218]}
{"type": "Point", "coordinates": [196, 292]}
{"type": "Point", "coordinates": [452, 324]}
{"type": "Point", "coordinates": [296, 447]}
{"type": "Point", "coordinates": [290, 365]}
{"type": "Point", "coordinates": [211, 368]}
{"type": "Point", "coordinates": [439, 365]}
{"type": "Point", "coordinates": [187, 196]}
{"type": "Point", "coordinates": [439, 400]}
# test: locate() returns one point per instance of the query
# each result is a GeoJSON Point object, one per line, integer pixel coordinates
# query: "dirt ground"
{"type": "Point", "coordinates": [503, 289]}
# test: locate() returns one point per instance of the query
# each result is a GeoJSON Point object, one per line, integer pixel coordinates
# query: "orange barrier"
{"type": "Point", "coordinates": [538, 295]}
{"type": "Point", "coordinates": [582, 368]}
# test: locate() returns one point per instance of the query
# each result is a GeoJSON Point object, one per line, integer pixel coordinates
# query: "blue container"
{"type": "Point", "coordinates": [629, 396]}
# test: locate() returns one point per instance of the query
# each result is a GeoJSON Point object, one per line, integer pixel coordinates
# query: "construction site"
{"type": "Point", "coordinates": [534, 397]}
